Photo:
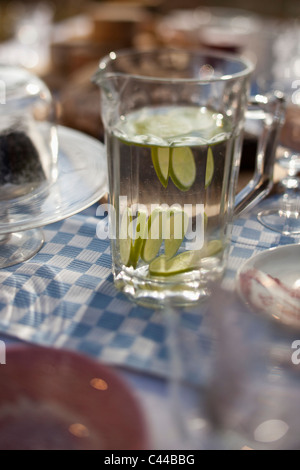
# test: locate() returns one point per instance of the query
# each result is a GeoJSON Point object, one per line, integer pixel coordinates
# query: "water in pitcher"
{"type": "Point", "coordinates": [170, 169]}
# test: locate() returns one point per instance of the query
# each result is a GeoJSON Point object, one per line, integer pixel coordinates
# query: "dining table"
{"type": "Point", "coordinates": [65, 298]}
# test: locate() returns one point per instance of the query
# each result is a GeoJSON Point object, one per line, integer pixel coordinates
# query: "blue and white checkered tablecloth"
{"type": "Point", "coordinates": [65, 296]}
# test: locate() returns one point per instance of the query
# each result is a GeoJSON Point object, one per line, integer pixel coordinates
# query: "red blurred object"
{"type": "Point", "coordinates": [59, 400]}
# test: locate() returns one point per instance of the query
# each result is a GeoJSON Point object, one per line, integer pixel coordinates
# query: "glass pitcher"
{"type": "Point", "coordinates": [174, 123]}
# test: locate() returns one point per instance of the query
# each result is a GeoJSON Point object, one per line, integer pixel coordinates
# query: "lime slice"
{"type": "Point", "coordinates": [211, 249]}
{"type": "Point", "coordinates": [131, 237]}
{"type": "Point", "coordinates": [171, 121]}
{"type": "Point", "coordinates": [164, 266]}
{"type": "Point", "coordinates": [125, 238]}
{"type": "Point", "coordinates": [182, 168]}
{"type": "Point", "coordinates": [164, 125]}
{"type": "Point", "coordinates": [136, 246]}
{"type": "Point", "coordinates": [184, 262]}
{"type": "Point", "coordinates": [161, 163]}
{"type": "Point", "coordinates": [175, 230]}
{"type": "Point", "coordinates": [153, 236]}
{"type": "Point", "coordinates": [210, 168]}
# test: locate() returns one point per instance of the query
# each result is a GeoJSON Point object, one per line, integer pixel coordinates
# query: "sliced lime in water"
{"type": "Point", "coordinates": [153, 236]}
{"type": "Point", "coordinates": [173, 121]}
{"type": "Point", "coordinates": [161, 163]}
{"type": "Point", "coordinates": [182, 167]}
{"type": "Point", "coordinates": [210, 167]}
{"type": "Point", "coordinates": [184, 262]}
{"type": "Point", "coordinates": [125, 237]}
{"type": "Point", "coordinates": [139, 233]}
{"type": "Point", "coordinates": [164, 125]}
{"type": "Point", "coordinates": [164, 266]}
{"type": "Point", "coordinates": [211, 249]}
{"type": "Point", "coordinates": [131, 237]}
{"type": "Point", "coordinates": [175, 230]}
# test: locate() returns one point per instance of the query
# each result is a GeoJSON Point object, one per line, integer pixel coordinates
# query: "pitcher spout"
{"type": "Point", "coordinates": [105, 73]}
{"type": "Point", "coordinates": [100, 77]}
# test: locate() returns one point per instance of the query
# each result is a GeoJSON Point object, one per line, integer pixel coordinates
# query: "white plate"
{"type": "Point", "coordinates": [81, 182]}
{"type": "Point", "coordinates": [270, 284]}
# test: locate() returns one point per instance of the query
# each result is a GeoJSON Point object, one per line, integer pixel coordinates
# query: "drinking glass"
{"type": "Point", "coordinates": [174, 123]}
{"type": "Point", "coordinates": [252, 401]}
{"type": "Point", "coordinates": [284, 217]}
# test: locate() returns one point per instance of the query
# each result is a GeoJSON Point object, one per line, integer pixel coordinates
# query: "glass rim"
{"type": "Point", "coordinates": [246, 63]}
{"type": "Point", "coordinates": [14, 78]}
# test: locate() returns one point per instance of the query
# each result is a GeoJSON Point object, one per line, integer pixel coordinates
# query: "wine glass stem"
{"type": "Point", "coordinates": [172, 318]}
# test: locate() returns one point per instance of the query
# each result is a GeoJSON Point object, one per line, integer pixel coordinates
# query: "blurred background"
{"type": "Point", "coordinates": [64, 41]}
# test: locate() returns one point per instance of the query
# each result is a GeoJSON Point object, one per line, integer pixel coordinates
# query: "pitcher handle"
{"type": "Point", "coordinates": [262, 182]}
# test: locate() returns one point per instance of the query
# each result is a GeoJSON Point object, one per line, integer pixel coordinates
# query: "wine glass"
{"type": "Point", "coordinates": [284, 217]}
{"type": "Point", "coordinates": [190, 344]}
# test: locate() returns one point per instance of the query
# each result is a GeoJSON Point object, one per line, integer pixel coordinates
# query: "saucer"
{"type": "Point", "coordinates": [81, 181]}
{"type": "Point", "coordinates": [270, 284]}
{"type": "Point", "coordinates": [53, 399]}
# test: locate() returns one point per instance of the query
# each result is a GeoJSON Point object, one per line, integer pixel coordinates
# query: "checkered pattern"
{"type": "Point", "coordinates": [65, 296]}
